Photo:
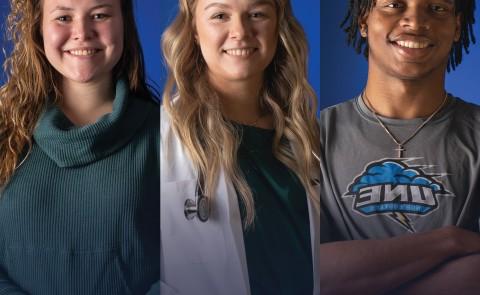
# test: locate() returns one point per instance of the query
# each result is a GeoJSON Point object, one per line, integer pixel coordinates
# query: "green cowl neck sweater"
{"type": "Point", "coordinates": [80, 215]}
{"type": "Point", "coordinates": [70, 146]}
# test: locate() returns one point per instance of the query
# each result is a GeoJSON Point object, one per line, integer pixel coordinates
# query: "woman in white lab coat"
{"type": "Point", "coordinates": [239, 144]}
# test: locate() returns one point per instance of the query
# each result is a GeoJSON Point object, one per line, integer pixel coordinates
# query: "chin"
{"type": "Point", "coordinates": [238, 77]}
{"type": "Point", "coordinates": [81, 78]}
{"type": "Point", "coordinates": [418, 71]}
{"type": "Point", "coordinates": [412, 74]}
{"type": "Point", "coordinates": [241, 75]}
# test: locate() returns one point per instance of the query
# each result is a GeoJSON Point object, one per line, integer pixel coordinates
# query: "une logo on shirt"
{"type": "Point", "coordinates": [392, 188]}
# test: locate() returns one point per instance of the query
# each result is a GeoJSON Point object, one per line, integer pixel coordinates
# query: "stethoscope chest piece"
{"type": "Point", "coordinates": [200, 208]}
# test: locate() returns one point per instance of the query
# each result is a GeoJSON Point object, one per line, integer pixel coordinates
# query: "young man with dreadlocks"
{"type": "Point", "coordinates": [400, 193]}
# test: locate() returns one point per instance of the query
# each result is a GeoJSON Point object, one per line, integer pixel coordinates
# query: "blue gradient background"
{"type": "Point", "coordinates": [153, 16]}
{"type": "Point", "coordinates": [343, 73]}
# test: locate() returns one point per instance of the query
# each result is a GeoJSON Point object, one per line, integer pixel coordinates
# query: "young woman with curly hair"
{"type": "Point", "coordinates": [79, 134]}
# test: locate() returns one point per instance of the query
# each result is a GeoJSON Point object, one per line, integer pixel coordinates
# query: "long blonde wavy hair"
{"type": "Point", "coordinates": [210, 139]}
{"type": "Point", "coordinates": [32, 82]}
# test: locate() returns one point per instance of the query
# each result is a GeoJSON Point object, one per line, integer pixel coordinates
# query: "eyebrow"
{"type": "Point", "coordinates": [65, 8]}
{"type": "Point", "coordinates": [223, 5]}
{"type": "Point", "coordinates": [450, 2]}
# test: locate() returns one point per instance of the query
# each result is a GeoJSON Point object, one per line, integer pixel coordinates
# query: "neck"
{"type": "Point", "coordinates": [85, 103]}
{"type": "Point", "coordinates": [240, 101]}
{"type": "Point", "coordinates": [405, 99]}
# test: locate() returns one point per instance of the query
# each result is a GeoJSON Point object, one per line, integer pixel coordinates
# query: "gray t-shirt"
{"type": "Point", "coordinates": [368, 192]}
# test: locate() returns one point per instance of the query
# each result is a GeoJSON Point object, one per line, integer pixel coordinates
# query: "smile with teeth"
{"type": "Point", "coordinates": [240, 51]}
{"type": "Point", "coordinates": [412, 44]}
{"type": "Point", "coordinates": [83, 52]}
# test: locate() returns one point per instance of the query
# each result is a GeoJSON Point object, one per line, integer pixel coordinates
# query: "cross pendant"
{"type": "Point", "coordinates": [400, 149]}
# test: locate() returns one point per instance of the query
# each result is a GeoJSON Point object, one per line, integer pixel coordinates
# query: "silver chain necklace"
{"type": "Point", "coordinates": [400, 149]}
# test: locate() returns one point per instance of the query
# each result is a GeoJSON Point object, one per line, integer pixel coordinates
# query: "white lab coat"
{"type": "Point", "coordinates": [205, 258]}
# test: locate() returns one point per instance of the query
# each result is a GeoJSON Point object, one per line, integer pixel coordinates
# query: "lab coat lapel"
{"type": "Point", "coordinates": [227, 202]}
{"type": "Point", "coordinates": [314, 217]}
{"type": "Point", "coordinates": [198, 258]}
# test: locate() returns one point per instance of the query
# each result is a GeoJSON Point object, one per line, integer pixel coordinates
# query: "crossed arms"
{"type": "Point", "coordinates": [442, 261]}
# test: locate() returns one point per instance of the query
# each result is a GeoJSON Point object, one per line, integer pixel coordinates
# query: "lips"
{"type": "Point", "coordinates": [413, 44]}
{"type": "Point", "coordinates": [412, 41]}
{"type": "Point", "coordinates": [242, 52]}
{"type": "Point", "coordinates": [412, 48]}
{"type": "Point", "coordinates": [83, 51]}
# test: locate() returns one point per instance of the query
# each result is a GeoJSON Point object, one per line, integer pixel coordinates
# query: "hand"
{"type": "Point", "coordinates": [460, 241]}
{"type": "Point", "coordinates": [458, 276]}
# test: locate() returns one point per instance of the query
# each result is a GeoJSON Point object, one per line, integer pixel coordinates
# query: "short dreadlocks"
{"type": "Point", "coordinates": [358, 8]}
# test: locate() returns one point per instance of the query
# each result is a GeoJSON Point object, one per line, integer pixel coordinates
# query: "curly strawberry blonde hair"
{"type": "Point", "coordinates": [32, 82]}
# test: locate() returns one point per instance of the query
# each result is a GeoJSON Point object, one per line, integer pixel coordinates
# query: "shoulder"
{"type": "Point", "coordinates": [144, 122]}
{"type": "Point", "coordinates": [470, 108]}
{"type": "Point", "coordinates": [175, 161]}
{"type": "Point", "coordinates": [343, 114]}
{"type": "Point", "coordinates": [167, 130]}
{"type": "Point", "coordinates": [342, 109]}
{"type": "Point", "coordinates": [153, 113]}
{"type": "Point", "coordinates": [167, 133]}
{"type": "Point", "coordinates": [147, 110]}
{"type": "Point", "coordinates": [466, 113]}
{"type": "Point", "coordinates": [165, 120]}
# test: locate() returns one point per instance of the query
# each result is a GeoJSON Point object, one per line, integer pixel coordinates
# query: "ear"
{"type": "Point", "coordinates": [363, 31]}
{"type": "Point", "coordinates": [458, 28]}
{"type": "Point", "coordinates": [362, 25]}
{"type": "Point", "coordinates": [195, 33]}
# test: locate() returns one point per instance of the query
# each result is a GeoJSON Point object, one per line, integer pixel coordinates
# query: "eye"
{"type": "Point", "coordinates": [63, 18]}
{"type": "Point", "coordinates": [100, 16]}
{"type": "Point", "coordinates": [219, 16]}
{"type": "Point", "coordinates": [258, 14]}
{"type": "Point", "coordinates": [438, 8]}
{"type": "Point", "coordinates": [394, 5]}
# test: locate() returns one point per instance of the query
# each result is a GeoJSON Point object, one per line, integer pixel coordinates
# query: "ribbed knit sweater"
{"type": "Point", "coordinates": [81, 214]}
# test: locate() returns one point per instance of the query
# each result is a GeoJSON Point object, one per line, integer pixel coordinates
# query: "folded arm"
{"type": "Point", "coordinates": [379, 266]}
{"type": "Point", "coordinates": [458, 276]}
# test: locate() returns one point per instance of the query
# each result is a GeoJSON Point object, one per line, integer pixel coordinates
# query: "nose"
{"type": "Point", "coordinates": [415, 19]}
{"type": "Point", "coordinates": [83, 29]}
{"type": "Point", "coordinates": [240, 28]}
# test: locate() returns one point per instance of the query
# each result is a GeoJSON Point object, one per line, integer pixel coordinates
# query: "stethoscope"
{"type": "Point", "coordinates": [200, 207]}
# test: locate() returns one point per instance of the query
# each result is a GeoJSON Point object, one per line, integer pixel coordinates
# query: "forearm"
{"type": "Point", "coordinates": [457, 276]}
{"type": "Point", "coordinates": [378, 266]}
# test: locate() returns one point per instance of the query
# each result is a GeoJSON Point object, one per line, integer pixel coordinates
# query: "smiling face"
{"type": "Point", "coordinates": [237, 38]}
{"type": "Point", "coordinates": [82, 39]}
{"type": "Point", "coordinates": [410, 39]}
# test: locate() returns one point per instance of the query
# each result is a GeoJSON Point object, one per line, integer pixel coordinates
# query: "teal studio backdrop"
{"type": "Point", "coordinates": [344, 73]}
{"type": "Point", "coordinates": [153, 16]}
